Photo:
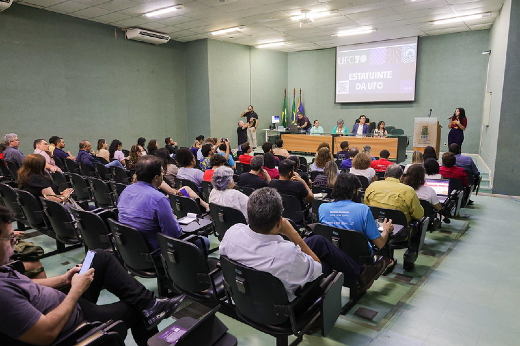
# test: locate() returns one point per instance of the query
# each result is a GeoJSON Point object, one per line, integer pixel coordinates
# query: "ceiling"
{"type": "Point", "coordinates": [268, 20]}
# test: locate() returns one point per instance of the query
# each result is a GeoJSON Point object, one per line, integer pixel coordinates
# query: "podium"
{"type": "Point", "coordinates": [427, 132]}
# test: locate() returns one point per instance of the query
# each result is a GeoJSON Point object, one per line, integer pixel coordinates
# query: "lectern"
{"type": "Point", "coordinates": [427, 132]}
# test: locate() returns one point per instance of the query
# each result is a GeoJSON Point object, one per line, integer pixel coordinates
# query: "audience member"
{"type": "Point", "coordinates": [85, 156]}
{"type": "Point", "coordinates": [225, 150]}
{"type": "Point", "coordinates": [429, 153]}
{"type": "Point", "coordinates": [214, 147]}
{"type": "Point", "coordinates": [290, 183]}
{"type": "Point", "coordinates": [197, 144]}
{"type": "Point", "coordinates": [59, 145]}
{"type": "Point", "coordinates": [279, 150]}
{"type": "Point", "coordinates": [41, 147]}
{"type": "Point", "coordinates": [415, 179]}
{"type": "Point", "coordinates": [152, 146]}
{"type": "Point", "coordinates": [267, 147]}
{"type": "Point", "coordinates": [382, 164]}
{"type": "Point", "coordinates": [2, 148]}
{"type": "Point", "coordinates": [347, 164]}
{"type": "Point", "coordinates": [135, 154]}
{"type": "Point", "coordinates": [38, 312]}
{"type": "Point", "coordinates": [169, 169]}
{"type": "Point", "coordinates": [298, 170]}
{"type": "Point", "coordinates": [186, 162]}
{"type": "Point", "coordinates": [449, 170]}
{"type": "Point", "coordinates": [214, 162]}
{"type": "Point", "coordinates": [270, 166]}
{"type": "Point", "coordinates": [207, 153]}
{"type": "Point", "coordinates": [346, 214]}
{"type": "Point", "coordinates": [246, 157]}
{"type": "Point", "coordinates": [141, 141]}
{"type": "Point", "coordinates": [367, 149]}
{"type": "Point", "coordinates": [11, 152]}
{"type": "Point", "coordinates": [431, 166]}
{"type": "Point", "coordinates": [462, 161]}
{"type": "Point", "coordinates": [322, 157]}
{"type": "Point", "coordinates": [52, 144]}
{"type": "Point", "coordinates": [343, 153]}
{"type": "Point", "coordinates": [116, 153]}
{"type": "Point", "coordinates": [171, 146]}
{"type": "Point", "coordinates": [257, 177]}
{"type": "Point", "coordinates": [294, 262]}
{"type": "Point", "coordinates": [417, 157]}
{"type": "Point", "coordinates": [361, 166]}
{"type": "Point", "coordinates": [328, 178]}
{"type": "Point", "coordinates": [223, 193]}
{"type": "Point", "coordinates": [102, 151]}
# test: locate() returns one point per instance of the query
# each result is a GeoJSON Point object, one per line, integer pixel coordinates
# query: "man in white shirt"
{"type": "Point", "coordinates": [42, 147]}
{"type": "Point", "coordinates": [294, 262]}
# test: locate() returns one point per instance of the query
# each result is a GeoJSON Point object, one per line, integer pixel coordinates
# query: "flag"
{"type": "Point", "coordinates": [300, 105]}
{"type": "Point", "coordinates": [284, 112]}
{"type": "Point", "coordinates": [294, 108]}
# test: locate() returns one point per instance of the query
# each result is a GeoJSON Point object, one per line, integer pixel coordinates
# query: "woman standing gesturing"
{"type": "Point", "coordinates": [458, 123]}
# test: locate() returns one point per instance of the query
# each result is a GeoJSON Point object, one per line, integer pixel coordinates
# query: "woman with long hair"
{"type": "Point", "coordinates": [102, 151]}
{"type": "Point", "coordinates": [322, 157]}
{"type": "Point", "coordinates": [115, 151]}
{"type": "Point", "coordinates": [328, 178]}
{"type": "Point", "coordinates": [135, 154]}
{"type": "Point", "coordinates": [457, 125]}
{"type": "Point", "coordinates": [380, 130]}
{"type": "Point", "coordinates": [417, 157]}
{"type": "Point", "coordinates": [415, 179]}
{"type": "Point", "coordinates": [152, 147]}
{"type": "Point", "coordinates": [429, 153]}
{"type": "Point", "coordinates": [361, 166]}
{"type": "Point", "coordinates": [270, 166]}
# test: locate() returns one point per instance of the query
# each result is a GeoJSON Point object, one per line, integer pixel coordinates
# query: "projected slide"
{"type": "Point", "coordinates": [376, 72]}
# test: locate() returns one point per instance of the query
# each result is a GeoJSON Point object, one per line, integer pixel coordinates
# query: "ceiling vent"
{"type": "Point", "coordinates": [5, 4]}
{"type": "Point", "coordinates": [146, 36]}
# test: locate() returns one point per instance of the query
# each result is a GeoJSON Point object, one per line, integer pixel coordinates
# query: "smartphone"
{"type": "Point", "coordinates": [87, 262]}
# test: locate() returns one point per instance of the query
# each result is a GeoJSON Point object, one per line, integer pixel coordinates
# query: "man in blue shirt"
{"type": "Point", "coordinates": [59, 144]}
{"type": "Point", "coordinates": [347, 164]}
{"type": "Point", "coordinates": [224, 150]}
{"type": "Point", "coordinates": [344, 213]}
{"type": "Point", "coordinates": [465, 162]}
{"type": "Point", "coordinates": [87, 159]}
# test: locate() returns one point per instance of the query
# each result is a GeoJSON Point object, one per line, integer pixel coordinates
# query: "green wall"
{"type": "Point", "coordinates": [71, 77]}
{"type": "Point", "coordinates": [451, 73]}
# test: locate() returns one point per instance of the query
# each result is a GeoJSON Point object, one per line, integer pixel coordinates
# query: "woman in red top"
{"type": "Point", "coordinates": [458, 123]}
{"type": "Point", "coordinates": [270, 166]}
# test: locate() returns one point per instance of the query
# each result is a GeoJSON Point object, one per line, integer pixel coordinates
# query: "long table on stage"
{"type": "Point", "coordinates": [308, 143]}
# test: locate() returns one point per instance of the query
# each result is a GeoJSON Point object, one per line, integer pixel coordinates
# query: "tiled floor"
{"type": "Point", "coordinates": [471, 298]}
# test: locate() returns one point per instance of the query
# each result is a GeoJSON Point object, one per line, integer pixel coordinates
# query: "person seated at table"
{"type": "Point", "coordinates": [223, 192]}
{"type": "Point", "coordinates": [279, 150]}
{"type": "Point", "coordinates": [246, 157]}
{"type": "Point", "coordinates": [340, 129]}
{"type": "Point", "coordinates": [316, 129]}
{"type": "Point", "coordinates": [328, 178]}
{"type": "Point", "coordinates": [343, 153]}
{"type": "Point", "coordinates": [380, 130]}
{"type": "Point", "coordinates": [270, 166]}
{"type": "Point", "coordinates": [361, 128]}
{"type": "Point", "coordinates": [415, 178]}
{"type": "Point", "coordinates": [257, 177]}
{"type": "Point", "coordinates": [382, 164]}
{"type": "Point", "coordinates": [347, 164]}
{"type": "Point", "coordinates": [361, 166]}
{"type": "Point", "coordinates": [431, 166]}
{"type": "Point", "coordinates": [322, 158]}
{"type": "Point", "coordinates": [347, 214]}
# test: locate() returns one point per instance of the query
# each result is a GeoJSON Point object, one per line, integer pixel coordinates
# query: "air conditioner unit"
{"type": "Point", "coordinates": [145, 36]}
{"type": "Point", "coordinates": [5, 4]}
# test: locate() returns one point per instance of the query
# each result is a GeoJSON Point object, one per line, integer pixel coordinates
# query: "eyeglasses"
{"type": "Point", "coordinates": [13, 239]}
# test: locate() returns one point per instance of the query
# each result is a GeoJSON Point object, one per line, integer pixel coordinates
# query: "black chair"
{"type": "Point", "coordinates": [13, 168]}
{"type": "Point", "coordinates": [60, 181]}
{"type": "Point", "coordinates": [102, 172]}
{"type": "Point", "coordinates": [338, 162]}
{"type": "Point", "coordinates": [81, 189]}
{"type": "Point", "coordinates": [138, 256]}
{"type": "Point", "coordinates": [103, 195]}
{"type": "Point", "coordinates": [396, 132]}
{"type": "Point", "coordinates": [59, 162]}
{"type": "Point", "coordinates": [364, 181]}
{"type": "Point", "coordinates": [314, 174]}
{"type": "Point", "coordinates": [354, 244]}
{"type": "Point", "coordinates": [94, 229]}
{"type": "Point", "coordinates": [95, 334]}
{"type": "Point", "coordinates": [315, 207]}
{"type": "Point", "coordinates": [261, 301]}
{"type": "Point", "coordinates": [224, 218]}
{"type": "Point", "coordinates": [293, 210]}
{"type": "Point", "coordinates": [186, 182]}
{"type": "Point", "coordinates": [190, 270]}
{"type": "Point", "coordinates": [380, 175]}
{"type": "Point", "coordinates": [182, 205]}
{"type": "Point", "coordinates": [120, 175]}
{"type": "Point", "coordinates": [10, 198]}
{"type": "Point", "coordinates": [61, 222]}
{"type": "Point", "coordinates": [72, 166]}
{"type": "Point", "coordinates": [245, 190]}
{"type": "Point", "coordinates": [434, 215]}
{"type": "Point", "coordinates": [280, 157]}
{"type": "Point", "coordinates": [4, 171]}
{"type": "Point", "coordinates": [389, 128]}
{"type": "Point", "coordinates": [117, 189]}
{"type": "Point", "coordinates": [206, 190]}
{"type": "Point", "coordinates": [85, 170]}
{"type": "Point", "coordinates": [457, 185]}
{"type": "Point", "coordinates": [242, 168]}
{"type": "Point", "coordinates": [304, 166]}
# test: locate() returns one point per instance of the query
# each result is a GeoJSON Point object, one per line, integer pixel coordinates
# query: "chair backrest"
{"type": "Point", "coordinates": [80, 186]}
{"type": "Point", "coordinates": [380, 175]}
{"type": "Point", "coordinates": [182, 205]}
{"type": "Point", "coordinates": [206, 190]}
{"type": "Point", "coordinates": [185, 264]}
{"type": "Point", "coordinates": [4, 171]}
{"type": "Point", "coordinates": [102, 172]}
{"type": "Point", "coordinates": [280, 157]}
{"type": "Point", "coordinates": [58, 179]}
{"type": "Point", "coordinates": [397, 216]}
{"type": "Point", "coordinates": [117, 189]}
{"type": "Point", "coordinates": [86, 171]}
{"type": "Point", "coordinates": [314, 174]}
{"type": "Point", "coordinates": [10, 199]}
{"type": "Point", "coordinates": [59, 162]}
{"type": "Point", "coordinates": [33, 210]}
{"type": "Point", "coordinates": [389, 128]}
{"type": "Point", "coordinates": [257, 295]}
{"type": "Point", "coordinates": [471, 177]}
{"type": "Point", "coordinates": [72, 166]}
{"type": "Point", "coordinates": [186, 182]}
{"type": "Point", "coordinates": [61, 221]}
{"type": "Point", "coordinates": [94, 230]}
{"type": "Point", "coordinates": [303, 163]}
{"type": "Point", "coordinates": [103, 195]}
{"type": "Point", "coordinates": [364, 181]}
{"type": "Point", "coordinates": [397, 132]}
{"type": "Point", "coordinates": [315, 208]}
{"type": "Point", "coordinates": [245, 190]}
{"type": "Point", "coordinates": [120, 175]}
{"type": "Point", "coordinates": [351, 242]}
{"type": "Point", "coordinates": [435, 220]}
{"type": "Point", "coordinates": [293, 209]}
{"type": "Point", "coordinates": [320, 189]}
{"type": "Point", "coordinates": [455, 184]}
{"type": "Point", "coordinates": [224, 218]}
{"type": "Point", "coordinates": [13, 168]}
{"type": "Point", "coordinates": [134, 249]}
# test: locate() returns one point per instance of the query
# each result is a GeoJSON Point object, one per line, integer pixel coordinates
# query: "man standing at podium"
{"type": "Point", "coordinates": [252, 121]}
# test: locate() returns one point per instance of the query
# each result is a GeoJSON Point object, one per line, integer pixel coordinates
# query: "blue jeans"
{"type": "Point", "coordinates": [115, 163]}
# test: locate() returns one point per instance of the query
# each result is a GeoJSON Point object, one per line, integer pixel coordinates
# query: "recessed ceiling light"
{"type": "Point", "coordinates": [461, 19]}
{"type": "Point", "coordinates": [356, 31]}
{"type": "Point", "coordinates": [310, 16]}
{"type": "Point", "coordinates": [163, 11]}
{"type": "Point", "coordinates": [224, 31]}
{"type": "Point", "coordinates": [273, 44]}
